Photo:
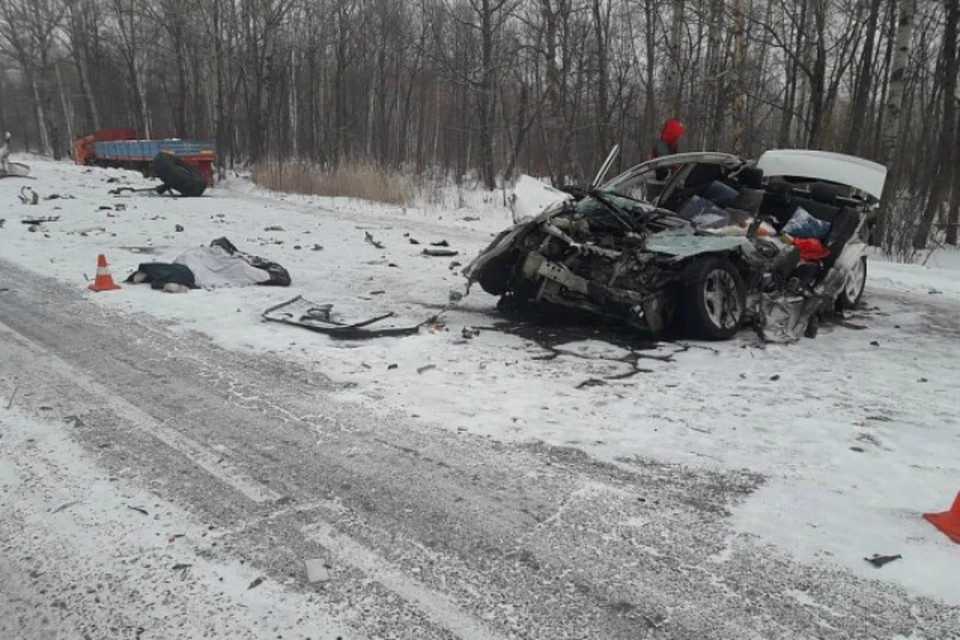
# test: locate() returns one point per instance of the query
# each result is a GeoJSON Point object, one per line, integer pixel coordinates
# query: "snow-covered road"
{"type": "Point", "coordinates": [718, 491]}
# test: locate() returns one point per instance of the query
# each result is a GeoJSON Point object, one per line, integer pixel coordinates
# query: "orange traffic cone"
{"type": "Point", "coordinates": [948, 522]}
{"type": "Point", "coordinates": [104, 281]}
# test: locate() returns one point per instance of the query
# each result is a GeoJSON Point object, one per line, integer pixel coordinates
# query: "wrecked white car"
{"type": "Point", "coordinates": [721, 243]}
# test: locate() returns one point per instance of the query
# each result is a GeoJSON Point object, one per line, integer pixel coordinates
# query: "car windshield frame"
{"type": "Point", "coordinates": [683, 160]}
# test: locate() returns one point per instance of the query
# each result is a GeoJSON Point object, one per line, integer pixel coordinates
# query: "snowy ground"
{"type": "Point", "coordinates": [856, 432]}
{"type": "Point", "coordinates": [150, 570]}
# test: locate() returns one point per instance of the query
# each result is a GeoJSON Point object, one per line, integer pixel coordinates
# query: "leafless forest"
{"type": "Point", "coordinates": [481, 89]}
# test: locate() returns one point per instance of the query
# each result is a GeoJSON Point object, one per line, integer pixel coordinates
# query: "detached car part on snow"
{"type": "Point", "coordinates": [176, 174]}
{"type": "Point", "coordinates": [700, 253]}
{"type": "Point", "coordinates": [15, 170]}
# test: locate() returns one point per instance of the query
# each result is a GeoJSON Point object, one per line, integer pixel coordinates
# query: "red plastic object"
{"type": "Point", "coordinates": [811, 249]}
{"type": "Point", "coordinates": [948, 522]}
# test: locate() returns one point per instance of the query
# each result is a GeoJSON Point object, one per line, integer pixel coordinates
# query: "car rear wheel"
{"type": "Point", "coordinates": [713, 300]}
{"type": "Point", "coordinates": [853, 289]}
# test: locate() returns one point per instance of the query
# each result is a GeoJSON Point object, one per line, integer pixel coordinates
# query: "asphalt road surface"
{"type": "Point", "coordinates": [422, 533]}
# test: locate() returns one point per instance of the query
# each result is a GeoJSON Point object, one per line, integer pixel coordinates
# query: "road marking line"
{"type": "Point", "coordinates": [202, 456]}
{"type": "Point", "coordinates": [436, 606]}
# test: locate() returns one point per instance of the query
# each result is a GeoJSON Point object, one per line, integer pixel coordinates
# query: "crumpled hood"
{"type": "Point", "coordinates": [684, 243]}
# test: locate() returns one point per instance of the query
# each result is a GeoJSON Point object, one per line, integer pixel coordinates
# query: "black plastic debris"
{"type": "Point", "coordinates": [592, 382]}
{"type": "Point", "coordinates": [119, 191]}
{"type": "Point", "coordinates": [440, 243]}
{"type": "Point", "coordinates": [37, 221]}
{"type": "Point", "coordinates": [440, 253]}
{"type": "Point", "coordinates": [256, 583]}
{"type": "Point", "coordinates": [878, 560]}
{"type": "Point", "coordinates": [370, 240]}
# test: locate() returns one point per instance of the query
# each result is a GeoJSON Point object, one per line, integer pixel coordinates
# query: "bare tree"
{"type": "Point", "coordinates": [489, 88]}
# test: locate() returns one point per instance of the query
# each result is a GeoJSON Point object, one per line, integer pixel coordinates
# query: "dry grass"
{"type": "Point", "coordinates": [363, 181]}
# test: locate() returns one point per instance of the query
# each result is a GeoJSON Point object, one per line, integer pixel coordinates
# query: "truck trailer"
{"type": "Point", "coordinates": [121, 148]}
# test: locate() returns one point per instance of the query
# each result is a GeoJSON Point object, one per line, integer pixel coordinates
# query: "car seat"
{"type": "Point", "coordinates": [750, 194]}
{"type": "Point", "coordinates": [842, 230]}
{"type": "Point", "coordinates": [777, 203]}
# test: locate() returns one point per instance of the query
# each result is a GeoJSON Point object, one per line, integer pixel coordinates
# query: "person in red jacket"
{"type": "Point", "coordinates": [668, 144]}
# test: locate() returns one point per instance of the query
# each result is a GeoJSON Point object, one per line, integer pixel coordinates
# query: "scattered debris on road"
{"type": "Point", "coordinates": [592, 382]}
{"type": "Point", "coordinates": [370, 240]}
{"type": "Point", "coordinates": [300, 312]}
{"type": "Point", "coordinates": [65, 506]}
{"type": "Point", "coordinates": [878, 560]}
{"type": "Point", "coordinates": [440, 253]}
{"type": "Point", "coordinates": [29, 196]}
{"type": "Point", "coordinates": [38, 221]}
{"type": "Point", "coordinates": [256, 583]}
{"type": "Point", "coordinates": [12, 396]}
{"type": "Point", "coordinates": [138, 510]}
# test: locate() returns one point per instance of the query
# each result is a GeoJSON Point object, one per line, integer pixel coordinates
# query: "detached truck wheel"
{"type": "Point", "coordinates": [176, 174]}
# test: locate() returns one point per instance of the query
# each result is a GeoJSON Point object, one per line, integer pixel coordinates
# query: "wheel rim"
{"type": "Point", "coordinates": [721, 299]}
{"type": "Point", "coordinates": [856, 281]}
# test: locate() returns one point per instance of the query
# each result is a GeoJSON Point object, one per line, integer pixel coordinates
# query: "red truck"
{"type": "Point", "coordinates": [123, 149]}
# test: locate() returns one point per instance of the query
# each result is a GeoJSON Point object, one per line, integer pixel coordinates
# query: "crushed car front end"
{"type": "Point", "coordinates": [706, 253]}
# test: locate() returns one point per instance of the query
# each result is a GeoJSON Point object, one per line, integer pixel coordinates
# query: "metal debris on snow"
{"type": "Point", "coordinates": [878, 560]}
{"type": "Point", "coordinates": [370, 240]}
{"type": "Point", "coordinates": [300, 312]}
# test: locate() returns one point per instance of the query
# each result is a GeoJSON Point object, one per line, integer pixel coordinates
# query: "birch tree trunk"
{"type": "Point", "coordinates": [892, 112]}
